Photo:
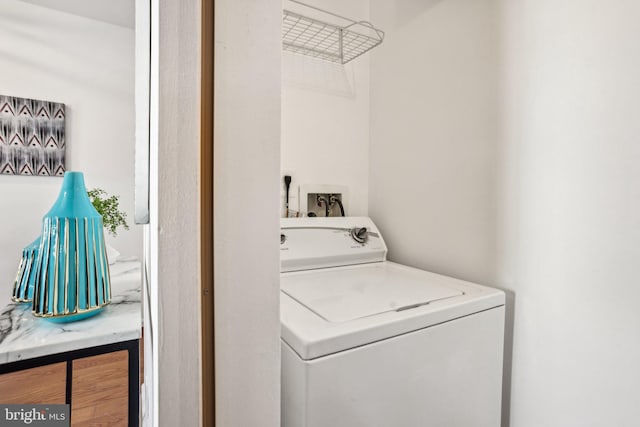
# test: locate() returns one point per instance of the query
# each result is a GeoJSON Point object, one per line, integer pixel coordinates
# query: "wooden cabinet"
{"type": "Point", "coordinates": [94, 365]}
{"type": "Point", "coordinates": [45, 384]}
{"type": "Point", "coordinates": [99, 388]}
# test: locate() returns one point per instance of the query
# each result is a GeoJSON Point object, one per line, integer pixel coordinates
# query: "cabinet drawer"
{"type": "Point", "coordinates": [42, 385]}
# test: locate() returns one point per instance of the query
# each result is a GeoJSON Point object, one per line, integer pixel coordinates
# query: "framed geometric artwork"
{"type": "Point", "coordinates": [32, 137]}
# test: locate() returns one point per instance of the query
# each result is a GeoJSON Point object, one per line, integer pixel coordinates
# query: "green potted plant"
{"type": "Point", "coordinates": [109, 208]}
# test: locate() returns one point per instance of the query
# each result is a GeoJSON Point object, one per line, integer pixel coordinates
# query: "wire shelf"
{"type": "Point", "coordinates": [331, 42]}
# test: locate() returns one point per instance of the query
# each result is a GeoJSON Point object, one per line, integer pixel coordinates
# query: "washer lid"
{"type": "Point", "coordinates": [344, 295]}
{"type": "Point", "coordinates": [329, 310]}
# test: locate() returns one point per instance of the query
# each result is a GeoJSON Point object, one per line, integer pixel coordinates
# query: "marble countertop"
{"type": "Point", "coordinates": [23, 336]}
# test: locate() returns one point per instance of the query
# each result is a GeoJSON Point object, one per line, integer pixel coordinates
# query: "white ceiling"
{"type": "Point", "coordinates": [117, 12]}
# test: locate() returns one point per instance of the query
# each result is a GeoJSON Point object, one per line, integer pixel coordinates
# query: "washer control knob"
{"type": "Point", "coordinates": [283, 238]}
{"type": "Point", "coordinates": [359, 234]}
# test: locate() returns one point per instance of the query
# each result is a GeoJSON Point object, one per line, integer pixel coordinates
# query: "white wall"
{"type": "Point", "coordinates": [246, 165]}
{"type": "Point", "coordinates": [433, 132]}
{"type": "Point", "coordinates": [88, 65]}
{"type": "Point", "coordinates": [570, 209]}
{"type": "Point", "coordinates": [516, 165]}
{"type": "Point", "coordinates": [325, 116]}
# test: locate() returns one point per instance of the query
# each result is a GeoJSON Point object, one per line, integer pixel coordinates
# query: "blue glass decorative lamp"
{"type": "Point", "coordinates": [26, 276]}
{"type": "Point", "coordinates": [73, 271]}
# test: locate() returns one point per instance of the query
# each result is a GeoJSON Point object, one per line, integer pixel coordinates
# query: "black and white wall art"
{"type": "Point", "coordinates": [32, 137]}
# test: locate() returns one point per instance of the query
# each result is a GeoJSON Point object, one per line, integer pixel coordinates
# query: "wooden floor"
{"type": "Point", "coordinates": [99, 392]}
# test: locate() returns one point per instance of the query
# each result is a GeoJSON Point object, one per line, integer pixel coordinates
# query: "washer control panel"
{"type": "Point", "coordinates": [309, 243]}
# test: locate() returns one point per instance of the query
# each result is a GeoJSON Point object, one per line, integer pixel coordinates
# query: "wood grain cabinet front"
{"type": "Point", "coordinates": [99, 388]}
{"type": "Point", "coordinates": [45, 384]}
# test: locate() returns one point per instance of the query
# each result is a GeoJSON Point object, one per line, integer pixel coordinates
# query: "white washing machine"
{"type": "Point", "coordinates": [370, 343]}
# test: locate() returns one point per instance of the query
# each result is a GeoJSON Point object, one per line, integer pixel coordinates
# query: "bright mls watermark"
{"type": "Point", "coordinates": [35, 415]}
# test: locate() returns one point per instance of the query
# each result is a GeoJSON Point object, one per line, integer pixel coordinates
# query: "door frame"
{"type": "Point", "coordinates": [206, 214]}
